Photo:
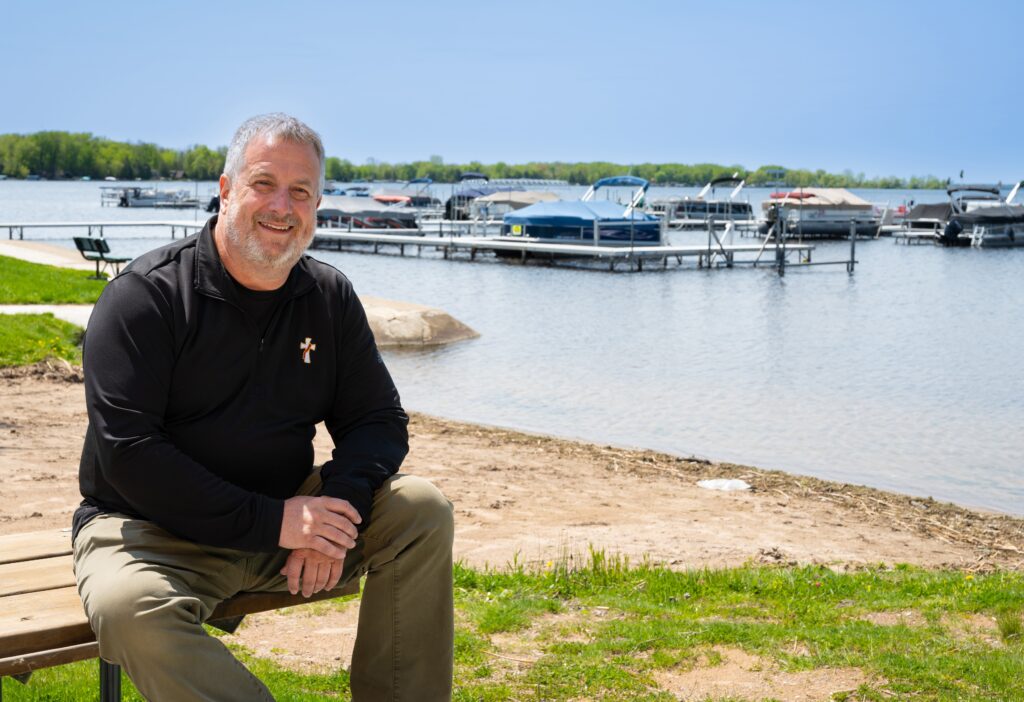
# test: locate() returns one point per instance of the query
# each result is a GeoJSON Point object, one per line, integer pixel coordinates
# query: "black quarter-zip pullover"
{"type": "Point", "coordinates": [203, 423]}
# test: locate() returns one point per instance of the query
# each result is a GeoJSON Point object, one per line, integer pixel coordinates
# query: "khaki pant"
{"type": "Point", "coordinates": [147, 593]}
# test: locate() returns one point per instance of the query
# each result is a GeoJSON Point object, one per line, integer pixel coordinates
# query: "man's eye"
{"type": "Point", "coordinates": [300, 194]}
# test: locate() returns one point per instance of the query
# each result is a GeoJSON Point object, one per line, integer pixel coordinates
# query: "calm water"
{"type": "Point", "coordinates": [905, 376]}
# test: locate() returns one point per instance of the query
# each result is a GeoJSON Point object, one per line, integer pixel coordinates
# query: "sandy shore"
{"type": "Point", "coordinates": [535, 498]}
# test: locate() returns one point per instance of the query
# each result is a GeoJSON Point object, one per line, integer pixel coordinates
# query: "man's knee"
{"type": "Point", "coordinates": [421, 505]}
{"type": "Point", "coordinates": [129, 614]}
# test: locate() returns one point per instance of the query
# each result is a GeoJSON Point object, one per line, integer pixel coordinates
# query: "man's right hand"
{"type": "Point", "coordinates": [324, 524]}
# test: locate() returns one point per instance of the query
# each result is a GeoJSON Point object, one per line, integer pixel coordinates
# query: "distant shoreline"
{"type": "Point", "coordinates": [66, 155]}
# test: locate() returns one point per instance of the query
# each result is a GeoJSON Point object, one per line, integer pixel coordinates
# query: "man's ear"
{"type": "Point", "coordinates": [225, 189]}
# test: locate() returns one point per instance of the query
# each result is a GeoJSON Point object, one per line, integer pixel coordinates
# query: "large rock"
{"type": "Point", "coordinates": [407, 324]}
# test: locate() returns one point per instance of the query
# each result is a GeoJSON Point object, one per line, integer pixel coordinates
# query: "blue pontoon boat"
{"type": "Point", "coordinates": [589, 221]}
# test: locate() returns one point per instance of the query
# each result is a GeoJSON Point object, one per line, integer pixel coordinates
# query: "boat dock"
{"type": "Point", "coordinates": [18, 228]}
{"type": "Point", "coordinates": [457, 245]}
{"type": "Point", "coordinates": [525, 250]}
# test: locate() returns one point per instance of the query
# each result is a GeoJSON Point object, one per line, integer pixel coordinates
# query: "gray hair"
{"type": "Point", "coordinates": [276, 124]}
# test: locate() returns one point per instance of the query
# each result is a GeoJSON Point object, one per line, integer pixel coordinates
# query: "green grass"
{"type": "Point", "coordinates": [29, 338]}
{"type": "Point", "coordinates": [605, 630]}
{"type": "Point", "coordinates": [22, 282]}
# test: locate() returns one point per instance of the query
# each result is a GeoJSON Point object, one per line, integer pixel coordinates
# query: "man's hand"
{"type": "Point", "coordinates": [324, 524]}
{"type": "Point", "coordinates": [312, 570]}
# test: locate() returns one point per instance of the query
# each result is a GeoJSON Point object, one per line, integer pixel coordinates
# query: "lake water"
{"type": "Point", "coordinates": [905, 376]}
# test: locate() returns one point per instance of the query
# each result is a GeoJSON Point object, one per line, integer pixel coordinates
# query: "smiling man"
{"type": "Point", "coordinates": [208, 364]}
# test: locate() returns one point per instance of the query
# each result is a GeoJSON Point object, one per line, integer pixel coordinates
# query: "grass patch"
{"type": "Point", "coordinates": [30, 338]}
{"type": "Point", "coordinates": [1010, 623]}
{"type": "Point", "coordinates": [22, 282]}
{"type": "Point", "coordinates": [598, 628]}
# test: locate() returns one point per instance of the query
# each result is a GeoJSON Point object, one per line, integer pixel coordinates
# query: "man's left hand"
{"type": "Point", "coordinates": [312, 570]}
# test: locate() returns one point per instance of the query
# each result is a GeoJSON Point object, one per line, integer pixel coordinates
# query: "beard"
{"type": "Point", "coordinates": [246, 241]}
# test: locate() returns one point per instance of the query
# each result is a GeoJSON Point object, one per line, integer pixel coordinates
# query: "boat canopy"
{"type": "Point", "coordinates": [576, 212]}
{"type": "Point", "coordinates": [993, 189]}
{"type": "Point", "coordinates": [626, 181]}
{"type": "Point", "coordinates": [731, 180]}
{"type": "Point", "coordinates": [517, 198]}
{"type": "Point", "coordinates": [819, 197]}
{"type": "Point", "coordinates": [335, 205]}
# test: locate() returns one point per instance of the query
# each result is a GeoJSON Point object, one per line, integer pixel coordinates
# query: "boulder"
{"type": "Point", "coordinates": [406, 324]}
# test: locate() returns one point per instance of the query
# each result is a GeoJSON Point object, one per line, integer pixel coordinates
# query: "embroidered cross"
{"type": "Point", "coordinates": [307, 347]}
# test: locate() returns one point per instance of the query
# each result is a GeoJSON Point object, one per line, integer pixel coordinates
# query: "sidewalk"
{"type": "Point", "coordinates": [76, 314]}
{"type": "Point", "coordinates": [47, 254]}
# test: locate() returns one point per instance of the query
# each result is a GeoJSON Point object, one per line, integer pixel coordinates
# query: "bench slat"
{"type": "Point", "coordinates": [39, 544]}
{"type": "Point", "coordinates": [16, 665]}
{"type": "Point", "coordinates": [39, 621]}
{"type": "Point", "coordinates": [34, 576]}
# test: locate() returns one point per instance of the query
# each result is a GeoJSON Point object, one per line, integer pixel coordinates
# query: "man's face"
{"type": "Point", "coordinates": [269, 211]}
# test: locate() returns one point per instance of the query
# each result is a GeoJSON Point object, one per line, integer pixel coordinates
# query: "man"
{"type": "Point", "coordinates": [208, 364]}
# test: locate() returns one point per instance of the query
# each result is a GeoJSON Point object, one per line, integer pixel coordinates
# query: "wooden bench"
{"type": "Point", "coordinates": [43, 624]}
{"type": "Point", "coordinates": [98, 250]}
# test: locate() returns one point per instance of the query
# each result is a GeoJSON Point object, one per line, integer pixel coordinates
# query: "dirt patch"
{"type": "Point", "coordinates": [55, 369]}
{"type": "Point", "coordinates": [907, 618]}
{"type": "Point", "coordinates": [973, 628]}
{"type": "Point", "coordinates": [315, 638]}
{"type": "Point", "coordinates": [735, 674]}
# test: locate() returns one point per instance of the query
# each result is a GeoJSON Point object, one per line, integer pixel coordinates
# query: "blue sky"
{"type": "Point", "coordinates": [883, 88]}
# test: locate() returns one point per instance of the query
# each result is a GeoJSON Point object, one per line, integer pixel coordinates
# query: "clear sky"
{"type": "Point", "coordinates": [883, 88]}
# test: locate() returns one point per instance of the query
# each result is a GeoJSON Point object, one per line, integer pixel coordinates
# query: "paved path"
{"type": "Point", "coordinates": [48, 254]}
{"type": "Point", "coordinates": [76, 314]}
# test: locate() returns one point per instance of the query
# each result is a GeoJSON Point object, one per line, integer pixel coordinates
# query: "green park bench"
{"type": "Point", "coordinates": [98, 250]}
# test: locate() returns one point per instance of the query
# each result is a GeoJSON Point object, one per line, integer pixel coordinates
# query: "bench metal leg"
{"type": "Point", "coordinates": [110, 682]}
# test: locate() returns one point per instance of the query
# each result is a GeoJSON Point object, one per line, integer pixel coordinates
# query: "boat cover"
{"type": "Point", "coordinates": [994, 215]}
{"type": "Point", "coordinates": [518, 198]}
{"type": "Point", "coordinates": [574, 211]}
{"type": "Point", "coordinates": [333, 205]}
{"type": "Point", "coordinates": [472, 193]}
{"type": "Point", "coordinates": [820, 197]}
{"type": "Point", "coordinates": [937, 210]}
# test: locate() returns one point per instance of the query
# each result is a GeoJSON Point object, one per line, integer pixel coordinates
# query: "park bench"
{"type": "Point", "coordinates": [98, 250]}
{"type": "Point", "coordinates": [43, 624]}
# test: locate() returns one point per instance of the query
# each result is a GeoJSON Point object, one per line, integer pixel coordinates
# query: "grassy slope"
{"type": "Point", "coordinates": [22, 282]}
{"type": "Point", "coordinates": [25, 338]}
{"type": "Point", "coordinates": [29, 338]}
{"type": "Point", "coordinates": [603, 632]}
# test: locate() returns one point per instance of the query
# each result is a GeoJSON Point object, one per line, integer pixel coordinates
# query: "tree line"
{"type": "Point", "coordinates": [55, 154]}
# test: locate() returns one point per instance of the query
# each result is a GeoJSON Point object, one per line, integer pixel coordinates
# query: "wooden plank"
{"type": "Point", "coordinates": [16, 665]}
{"type": "Point", "coordinates": [40, 621]}
{"type": "Point", "coordinates": [33, 576]}
{"type": "Point", "coordinates": [36, 544]}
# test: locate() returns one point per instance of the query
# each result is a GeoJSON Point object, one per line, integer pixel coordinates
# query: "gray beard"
{"type": "Point", "coordinates": [249, 248]}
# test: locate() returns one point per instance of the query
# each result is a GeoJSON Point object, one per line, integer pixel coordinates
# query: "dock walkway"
{"type": "Point", "coordinates": [632, 257]}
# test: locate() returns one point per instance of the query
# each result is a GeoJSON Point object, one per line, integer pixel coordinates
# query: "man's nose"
{"type": "Point", "coordinates": [281, 201]}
